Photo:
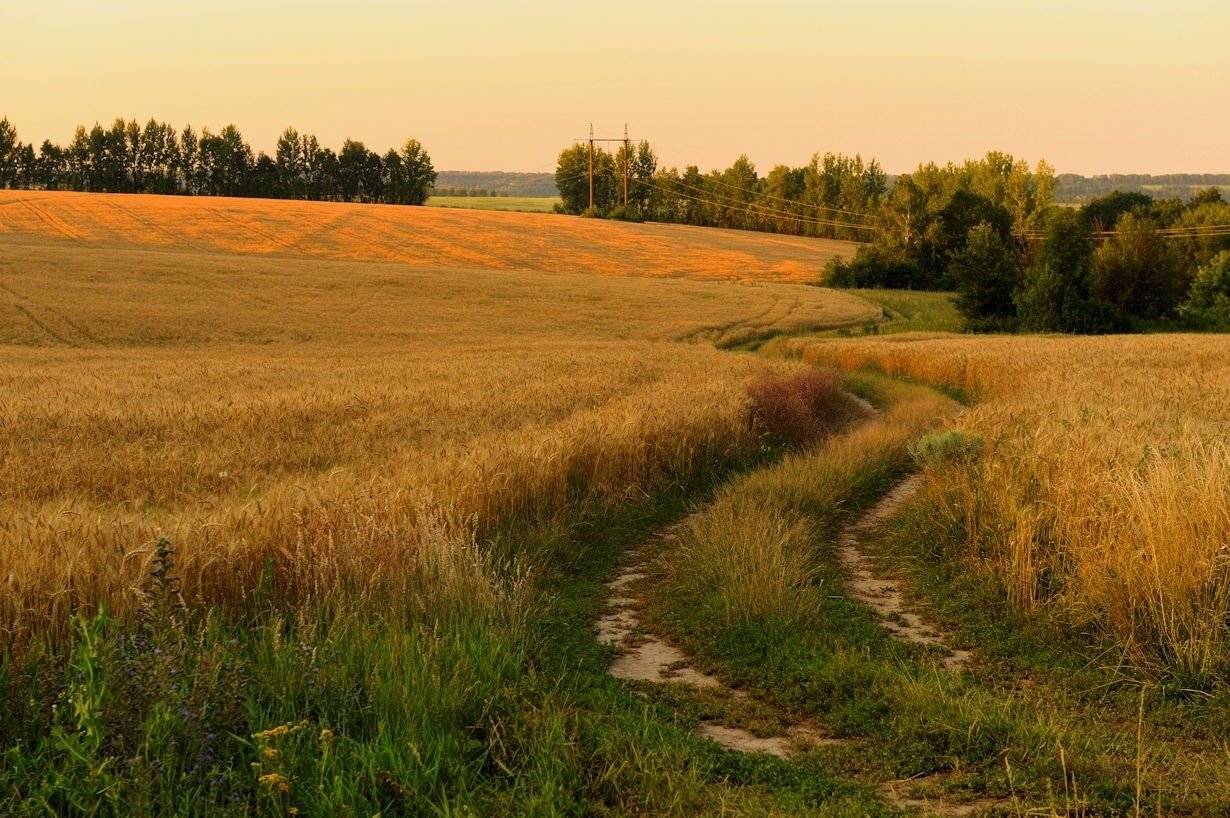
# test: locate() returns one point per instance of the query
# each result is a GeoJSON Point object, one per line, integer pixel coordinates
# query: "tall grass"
{"type": "Point", "coordinates": [1103, 493]}
{"type": "Point", "coordinates": [755, 546]}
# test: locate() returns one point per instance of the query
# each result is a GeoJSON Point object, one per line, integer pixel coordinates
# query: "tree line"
{"type": "Point", "coordinates": [989, 230]}
{"type": "Point", "coordinates": [159, 158]}
{"type": "Point", "coordinates": [1076, 189]}
{"type": "Point", "coordinates": [828, 197]}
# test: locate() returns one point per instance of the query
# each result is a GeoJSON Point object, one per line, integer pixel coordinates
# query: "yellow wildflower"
{"type": "Point", "coordinates": [269, 752]}
{"type": "Point", "coordinates": [279, 731]}
{"type": "Point", "coordinates": [272, 780]}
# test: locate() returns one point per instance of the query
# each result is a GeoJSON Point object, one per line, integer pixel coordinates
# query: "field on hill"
{"type": "Point", "coordinates": [248, 456]}
{"type": "Point", "coordinates": [222, 398]}
{"type": "Point", "coordinates": [416, 236]}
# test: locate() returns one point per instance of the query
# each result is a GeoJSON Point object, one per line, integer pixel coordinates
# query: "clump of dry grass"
{"type": "Point", "coordinates": [750, 554]}
{"type": "Point", "coordinates": [1103, 491]}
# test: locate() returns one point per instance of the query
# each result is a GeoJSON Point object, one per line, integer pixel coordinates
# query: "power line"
{"type": "Point", "coordinates": [727, 201]}
{"type": "Point", "coordinates": [723, 183]}
{"type": "Point", "coordinates": [742, 207]}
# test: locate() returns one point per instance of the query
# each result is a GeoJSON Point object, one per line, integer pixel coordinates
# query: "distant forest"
{"type": "Point", "coordinates": [1073, 189]}
{"type": "Point", "coordinates": [128, 157]}
{"type": "Point", "coordinates": [993, 229]}
{"type": "Point", "coordinates": [495, 183]}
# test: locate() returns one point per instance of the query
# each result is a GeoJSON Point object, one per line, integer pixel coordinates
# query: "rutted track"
{"type": "Point", "coordinates": [648, 659]}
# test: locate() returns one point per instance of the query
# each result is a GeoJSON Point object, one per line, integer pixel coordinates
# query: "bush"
{"type": "Point", "coordinates": [795, 410]}
{"type": "Point", "coordinates": [951, 446]}
{"type": "Point", "coordinates": [875, 268]}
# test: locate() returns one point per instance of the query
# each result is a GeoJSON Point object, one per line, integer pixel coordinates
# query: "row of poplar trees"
{"type": "Point", "coordinates": [158, 158]}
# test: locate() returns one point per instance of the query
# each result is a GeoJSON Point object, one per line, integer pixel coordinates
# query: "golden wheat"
{"type": "Point", "coordinates": [338, 421]}
{"type": "Point", "coordinates": [414, 236]}
{"type": "Point", "coordinates": [1105, 490]}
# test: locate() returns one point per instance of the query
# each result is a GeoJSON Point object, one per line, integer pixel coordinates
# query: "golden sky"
{"type": "Point", "coordinates": [1093, 86]}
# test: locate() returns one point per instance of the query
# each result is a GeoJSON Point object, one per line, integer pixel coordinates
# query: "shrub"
{"type": "Point", "coordinates": [1209, 300]}
{"type": "Point", "coordinates": [794, 410]}
{"type": "Point", "coordinates": [951, 446]}
{"type": "Point", "coordinates": [875, 268]}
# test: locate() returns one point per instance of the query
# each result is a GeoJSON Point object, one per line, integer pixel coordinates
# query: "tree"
{"type": "Point", "coordinates": [1054, 294]}
{"type": "Point", "coordinates": [572, 179]}
{"type": "Point", "coordinates": [1104, 213]}
{"type": "Point", "coordinates": [360, 173]}
{"type": "Point", "coordinates": [965, 211]}
{"type": "Point", "coordinates": [190, 160]}
{"type": "Point", "coordinates": [986, 274]}
{"type": "Point", "coordinates": [1136, 271]}
{"type": "Point", "coordinates": [644, 166]}
{"type": "Point", "coordinates": [289, 163]}
{"type": "Point", "coordinates": [8, 153]}
{"type": "Point", "coordinates": [1209, 301]}
{"type": "Point", "coordinates": [51, 171]}
{"type": "Point", "coordinates": [418, 173]}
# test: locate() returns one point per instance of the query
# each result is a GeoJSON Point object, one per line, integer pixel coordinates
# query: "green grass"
{"type": "Point", "coordinates": [407, 711]}
{"type": "Point", "coordinates": [527, 204]}
{"type": "Point", "coordinates": [913, 311]}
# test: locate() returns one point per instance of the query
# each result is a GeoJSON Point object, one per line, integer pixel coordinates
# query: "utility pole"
{"type": "Point", "coordinates": [627, 166]}
{"type": "Point", "coordinates": [592, 143]}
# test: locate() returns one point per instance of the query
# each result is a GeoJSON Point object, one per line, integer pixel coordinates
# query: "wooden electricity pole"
{"type": "Point", "coordinates": [627, 166]}
{"type": "Point", "coordinates": [592, 144]}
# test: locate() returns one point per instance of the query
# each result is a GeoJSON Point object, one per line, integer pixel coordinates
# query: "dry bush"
{"type": "Point", "coordinates": [1103, 491]}
{"type": "Point", "coordinates": [796, 409]}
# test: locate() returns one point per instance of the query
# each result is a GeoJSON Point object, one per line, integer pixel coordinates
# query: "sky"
{"type": "Point", "coordinates": [1092, 86]}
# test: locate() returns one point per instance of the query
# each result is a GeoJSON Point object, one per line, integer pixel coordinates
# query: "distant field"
{"type": "Point", "coordinates": [526, 204]}
{"type": "Point", "coordinates": [415, 236]}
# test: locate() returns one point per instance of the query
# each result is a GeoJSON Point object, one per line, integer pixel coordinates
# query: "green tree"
{"type": "Point", "coordinates": [290, 166]}
{"type": "Point", "coordinates": [1136, 271]}
{"type": "Point", "coordinates": [1104, 213]}
{"type": "Point", "coordinates": [1055, 290]}
{"type": "Point", "coordinates": [1209, 300]}
{"type": "Point", "coordinates": [419, 175]}
{"type": "Point", "coordinates": [351, 164]}
{"type": "Point", "coordinates": [8, 153]}
{"type": "Point", "coordinates": [986, 274]}
{"type": "Point", "coordinates": [190, 160]}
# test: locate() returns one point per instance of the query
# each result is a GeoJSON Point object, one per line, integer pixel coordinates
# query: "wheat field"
{"type": "Point", "coordinates": [416, 236]}
{"type": "Point", "coordinates": [1103, 496]}
{"type": "Point", "coordinates": [312, 414]}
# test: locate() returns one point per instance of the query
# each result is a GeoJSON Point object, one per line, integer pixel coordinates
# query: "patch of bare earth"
{"type": "Point", "coordinates": [644, 657]}
{"type": "Point", "coordinates": [883, 594]}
